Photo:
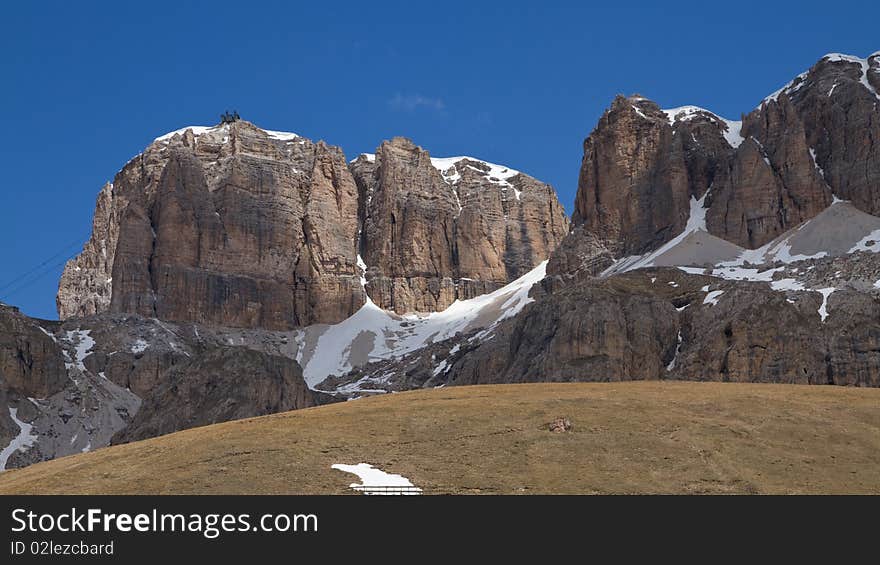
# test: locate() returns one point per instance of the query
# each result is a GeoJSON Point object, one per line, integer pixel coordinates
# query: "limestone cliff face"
{"type": "Point", "coordinates": [837, 102]}
{"type": "Point", "coordinates": [86, 285]}
{"type": "Point", "coordinates": [237, 226]}
{"type": "Point", "coordinates": [210, 389]}
{"type": "Point", "coordinates": [438, 230]}
{"type": "Point", "coordinates": [632, 191]}
{"type": "Point", "coordinates": [50, 406]}
{"type": "Point", "coordinates": [228, 225]}
{"type": "Point", "coordinates": [73, 386]}
{"type": "Point", "coordinates": [580, 255]}
{"type": "Point", "coordinates": [664, 323]}
{"type": "Point", "coordinates": [630, 327]}
{"type": "Point", "coordinates": [780, 166]}
{"type": "Point", "coordinates": [31, 362]}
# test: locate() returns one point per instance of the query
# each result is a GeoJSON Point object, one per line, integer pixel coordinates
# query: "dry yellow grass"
{"type": "Point", "coordinates": [645, 437]}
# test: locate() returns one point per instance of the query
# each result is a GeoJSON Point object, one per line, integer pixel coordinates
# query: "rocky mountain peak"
{"type": "Point", "coordinates": [469, 226]}
{"type": "Point", "coordinates": [404, 143]}
{"type": "Point", "coordinates": [704, 248]}
{"type": "Point", "coordinates": [237, 225]}
{"type": "Point", "coordinates": [781, 165]}
{"type": "Point", "coordinates": [833, 71]}
{"type": "Point", "coordinates": [229, 224]}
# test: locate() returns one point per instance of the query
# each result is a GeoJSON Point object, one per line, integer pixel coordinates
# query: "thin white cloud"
{"type": "Point", "coordinates": [413, 102]}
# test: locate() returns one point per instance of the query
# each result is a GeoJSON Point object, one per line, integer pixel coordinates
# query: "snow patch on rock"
{"type": "Point", "coordinates": [373, 334]}
{"type": "Point", "coordinates": [24, 440]}
{"type": "Point", "coordinates": [201, 130]}
{"type": "Point", "coordinates": [370, 157]}
{"type": "Point", "coordinates": [672, 363]}
{"type": "Point", "coordinates": [790, 88]}
{"type": "Point", "coordinates": [197, 131]}
{"type": "Point", "coordinates": [696, 222]}
{"type": "Point", "coordinates": [281, 135]}
{"type": "Point", "coordinates": [867, 243]}
{"type": "Point", "coordinates": [497, 174]}
{"type": "Point", "coordinates": [712, 297]}
{"type": "Point", "coordinates": [731, 129]}
{"type": "Point", "coordinates": [83, 344]}
{"type": "Point", "coordinates": [823, 309]}
{"type": "Point", "coordinates": [799, 81]}
{"type": "Point", "coordinates": [863, 63]}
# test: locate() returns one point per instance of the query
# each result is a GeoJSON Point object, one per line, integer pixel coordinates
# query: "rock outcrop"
{"type": "Point", "coordinates": [50, 405]}
{"type": "Point", "coordinates": [757, 178]}
{"type": "Point", "coordinates": [838, 103]}
{"type": "Point", "coordinates": [237, 226]}
{"type": "Point", "coordinates": [440, 230]}
{"type": "Point", "coordinates": [86, 286]}
{"type": "Point", "coordinates": [71, 387]}
{"type": "Point", "coordinates": [633, 187]}
{"type": "Point", "coordinates": [229, 225]}
{"type": "Point", "coordinates": [220, 385]}
{"type": "Point", "coordinates": [580, 255]}
{"type": "Point", "coordinates": [812, 322]}
{"type": "Point", "coordinates": [31, 363]}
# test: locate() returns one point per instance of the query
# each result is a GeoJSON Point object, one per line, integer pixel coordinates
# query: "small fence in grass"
{"type": "Point", "coordinates": [389, 490]}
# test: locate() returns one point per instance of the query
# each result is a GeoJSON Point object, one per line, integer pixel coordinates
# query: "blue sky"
{"type": "Point", "coordinates": [87, 85]}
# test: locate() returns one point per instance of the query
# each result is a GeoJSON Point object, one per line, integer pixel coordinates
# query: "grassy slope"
{"type": "Point", "coordinates": [645, 437]}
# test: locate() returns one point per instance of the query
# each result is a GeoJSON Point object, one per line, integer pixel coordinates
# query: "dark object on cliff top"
{"type": "Point", "coordinates": [227, 118]}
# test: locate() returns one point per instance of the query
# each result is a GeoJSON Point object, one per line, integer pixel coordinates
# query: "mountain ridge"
{"type": "Point", "coordinates": [762, 185]}
{"type": "Point", "coordinates": [700, 248]}
{"type": "Point", "coordinates": [240, 226]}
